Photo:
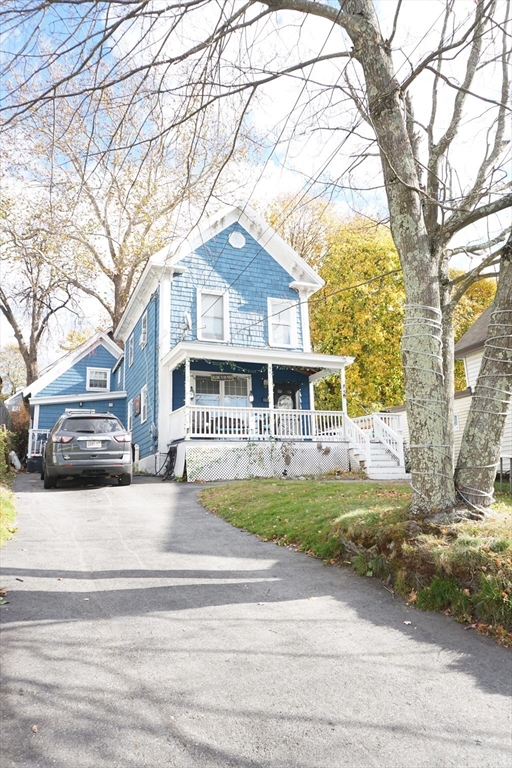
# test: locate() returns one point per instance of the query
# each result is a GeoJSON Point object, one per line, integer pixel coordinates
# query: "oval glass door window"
{"type": "Point", "coordinates": [285, 402]}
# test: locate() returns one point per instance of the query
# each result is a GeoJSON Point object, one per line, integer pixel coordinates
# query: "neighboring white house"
{"type": "Point", "coordinates": [469, 349]}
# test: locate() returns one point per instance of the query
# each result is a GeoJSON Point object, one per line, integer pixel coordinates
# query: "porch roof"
{"type": "Point", "coordinates": [318, 365]}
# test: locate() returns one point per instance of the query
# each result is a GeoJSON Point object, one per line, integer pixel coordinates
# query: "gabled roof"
{"type": "Point", "coordinates": [304, 277]}
{"type": "Point", "coordinates": [475, 337]}
{"type": "Point", "coordinates": [65, 363]}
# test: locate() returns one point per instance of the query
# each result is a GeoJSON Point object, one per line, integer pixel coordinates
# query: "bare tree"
{"type": "Point", "coordinates": [356, 71]}
{"type": "Point", "coordinates": [119, 185]}
{"type": "Point", "coordinates": [32, 292]}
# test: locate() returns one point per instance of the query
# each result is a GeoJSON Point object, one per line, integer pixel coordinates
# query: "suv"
{"type": "Point", "coordinates": [87, 444]}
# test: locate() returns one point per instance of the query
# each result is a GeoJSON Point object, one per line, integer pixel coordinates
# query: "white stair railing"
{"type": "Point", "coordinates": [359, 438]}
{"type": "Point", "coordinates": [389, 438]}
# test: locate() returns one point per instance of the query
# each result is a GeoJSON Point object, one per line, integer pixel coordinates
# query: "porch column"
{"type": "Point", "coordinates": [187, 398]}
{"type": "Point", "coordinates": [271, 396]}
{"type": "Point", "coordinates": [343, 391]}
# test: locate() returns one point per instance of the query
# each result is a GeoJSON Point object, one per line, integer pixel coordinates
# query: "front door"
{"type": "Point", "coordinates": [286, 396]}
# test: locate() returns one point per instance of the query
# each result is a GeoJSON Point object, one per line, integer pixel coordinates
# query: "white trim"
{"type": "Point", "coordinates": [69, 360]}
{"type": "Point", "coordinates": [292, 305]}
{"type": "Point", "coordinates": [144, 329]}
{"type": "Point", "coordinates": [36, 417]}
{"type": "Point", "coordinates": [131, 351]}
{"type": "Point", "coordinates": [200, 292]}
{"type": "Point", "coordinates": [203, 351]}
{"type": "Point", "coordinates": [88, 387]}
{"type": "Point", "coordinates": [129, 416]}
{"type": "Point", "coordinates": [144, 404]}
{"type": "Point", "coordinates": [84, 397]}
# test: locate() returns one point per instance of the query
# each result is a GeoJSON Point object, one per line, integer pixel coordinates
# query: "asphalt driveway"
{"type": "Point", "coordinates": [143, 631]}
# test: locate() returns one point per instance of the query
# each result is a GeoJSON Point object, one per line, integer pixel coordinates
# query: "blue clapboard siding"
{"type": "Point", "coordinates": [48, 414]}
{"type": "Point", "coordinates": [73, 381]}
{"type": "Point", "coordinates": [258, 373]}
{"type": "Point", "coordinates": [250, 275]}
{"type": "Point", "coordinates": [144, 371]}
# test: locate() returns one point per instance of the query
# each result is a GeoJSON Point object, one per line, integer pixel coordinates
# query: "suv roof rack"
{"type": "Point", "coordinates": [79, 410]}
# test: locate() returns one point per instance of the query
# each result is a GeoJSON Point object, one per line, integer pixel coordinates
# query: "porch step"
{"type": "Point", "coordinates": [397, 474]}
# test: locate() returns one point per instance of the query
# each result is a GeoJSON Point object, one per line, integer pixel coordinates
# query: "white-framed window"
{"type": "Point", "coordinates": [282, 323]}
{"type": "Point", "coordinates": [144, 330]}
{"type": "Point", "coordinates": [98, 379]}
{"type": "Point", "coordinates": [129, 416]}
{"type": "Point", "coordinates": [233, 393]}
{"type": "Point", "coordinates": [143, 404]}
{"type": "Point", "coordinates": [119, 375]}
{"type": "Point", "coordinates": [212, 316]}
{"type": "Point", "coordinates": [455, 421]}
{"type": "Point", "coordinates": [130, 351]}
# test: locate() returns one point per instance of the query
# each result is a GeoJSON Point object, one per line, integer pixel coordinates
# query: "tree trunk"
{"type": "Point", "coordinates": [481, 443]}
{"type": "Point", "coordinates": [422, 342]}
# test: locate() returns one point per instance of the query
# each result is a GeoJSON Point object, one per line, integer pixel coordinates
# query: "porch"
{"type": "Point", "coordinates": [309, 442]}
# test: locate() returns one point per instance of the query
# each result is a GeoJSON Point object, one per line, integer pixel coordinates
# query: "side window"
{"type": "Point", "coordinates": [129, 416]}
{"type": "Point", "coordinates": [212, 316]}
{"type": "Point", "coordinates": [143, 404]}
{"type": "Point", "coordinates": [144, 330]}
{"type": "Point", "coordinates": [282, 323]}
{"type": "Point", "coordinates": [98, 379]}
{"type": "Point", "coordinates": [130, 351]}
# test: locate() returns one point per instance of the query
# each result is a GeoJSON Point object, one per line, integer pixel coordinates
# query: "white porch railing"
{"type": "Point", "coordinates": [36, 440]}
{"type": "Point", "coordinates": [254, 424]}
{"type": "Point", "coordinates": [192, 422]}
{"type": "Point", "coordinates": [391, 439]}
{"type": "Point", "coordinates": [360, 438]}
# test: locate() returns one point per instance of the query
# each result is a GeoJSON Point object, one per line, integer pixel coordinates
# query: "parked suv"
{"type": "Point", "coordinates": [87, 444]}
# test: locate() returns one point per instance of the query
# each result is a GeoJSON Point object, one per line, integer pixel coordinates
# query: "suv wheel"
{"type": "Point", "coordinates": [49, 482]}
{"type": "Point", "coordinates": [125, 479]}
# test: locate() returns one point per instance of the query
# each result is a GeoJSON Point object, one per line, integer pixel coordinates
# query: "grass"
{"type": "Point", "coordinates": [7, 514]}
{"type": "Point", "coordinates": [463, 568]}
{"type": "Point", "coordinates": [7, 508]}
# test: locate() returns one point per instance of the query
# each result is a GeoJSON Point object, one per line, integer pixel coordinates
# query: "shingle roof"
{"type": "Point", "coordinates": [474, 338]}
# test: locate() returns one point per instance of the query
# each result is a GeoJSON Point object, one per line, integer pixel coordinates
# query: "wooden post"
{"type": "Point", "coordinates": [271, 397]}
{"type": "Point", "coordinates": [343, 390]}
{"type": "Point", "coordinates": [187, 398]}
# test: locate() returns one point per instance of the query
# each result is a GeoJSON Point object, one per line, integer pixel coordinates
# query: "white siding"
{"type": "Point", "coordinates": [506, 445]}
{"type": "Point", "coordinates": [472, 365]}
{"type": "Point", "coordinates": [461, 409]}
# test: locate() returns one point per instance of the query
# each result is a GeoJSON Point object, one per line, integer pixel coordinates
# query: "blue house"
{"type": "Point", "coordinates": [218, 363]}
{"type": "Point", "coordinates": [218, 367]}
{"type": "Point", "coordinates": [84, 378]}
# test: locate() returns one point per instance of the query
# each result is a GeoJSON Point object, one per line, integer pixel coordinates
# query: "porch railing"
{"type": "Point", "coordinates": [36, 440]}
{"type": "Point", "coordinates": [192, 422]}
{"type": "Point", "coordinates": [254, 424]}
{"type": "Point", "coordinates": [391, 439]}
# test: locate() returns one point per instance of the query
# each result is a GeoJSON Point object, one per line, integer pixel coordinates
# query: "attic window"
{"type": "Point", "coordinates": [236, 240]}
{"type": "Point", "coordinates": [98, 379]}
{"type": "Point", "coordinates": [212, 321]}
{"type": "Point", "coordinates": [282, 323]}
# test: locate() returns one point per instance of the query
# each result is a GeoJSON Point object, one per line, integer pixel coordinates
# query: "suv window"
{"type": "Point", "coordinates": [91, 425]}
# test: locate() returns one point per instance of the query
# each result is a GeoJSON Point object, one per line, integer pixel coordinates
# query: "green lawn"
{"type": "Point", "coordinates": [464, 568]}
{"type": "Point", "coordinates": [7, 514]}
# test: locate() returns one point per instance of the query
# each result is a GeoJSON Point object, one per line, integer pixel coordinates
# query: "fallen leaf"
{"type": "Point", "coordinates": [3, 591]}
{"type": "Point", "coordinates": [407, 622]}
{"type": "Point", "coordinates": [18, 579]}
{"type": "Point", "coordinates": [34, 729]}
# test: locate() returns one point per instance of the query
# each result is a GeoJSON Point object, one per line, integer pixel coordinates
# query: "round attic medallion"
{"type": "Point", "coordinates": [236, 239]}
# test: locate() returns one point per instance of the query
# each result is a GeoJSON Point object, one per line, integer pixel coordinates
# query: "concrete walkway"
{"type": "Point", "coordinates": [143, 631]}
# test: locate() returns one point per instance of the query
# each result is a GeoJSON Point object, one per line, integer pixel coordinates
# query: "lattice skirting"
{"type": "Point", "coordinates": [240, 461]}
